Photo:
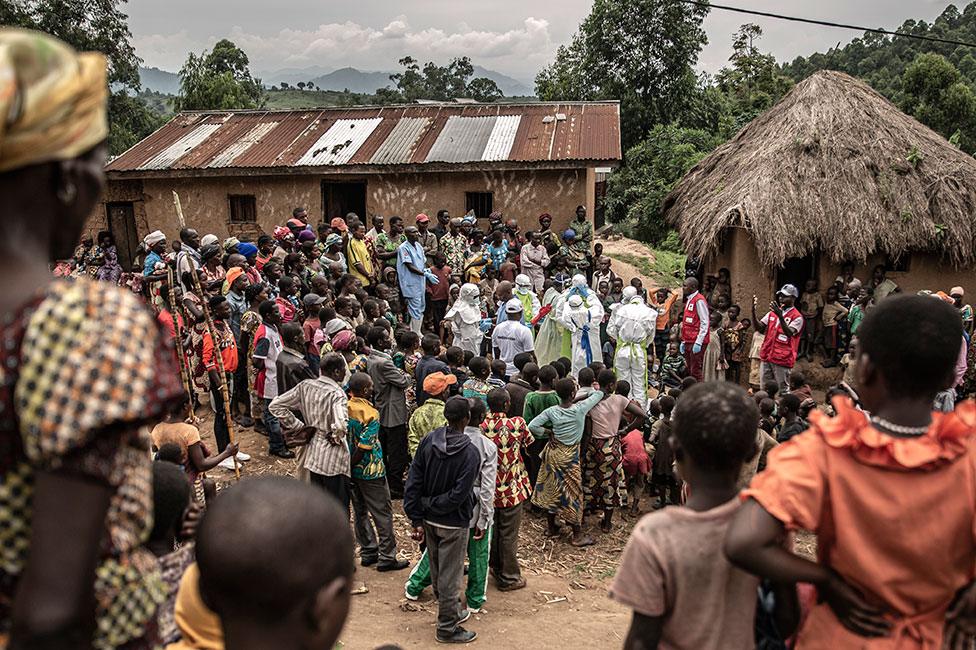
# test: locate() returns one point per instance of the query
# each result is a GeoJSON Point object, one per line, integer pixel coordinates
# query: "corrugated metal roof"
{"type": "Point", "coordinates": [226, 157]}
{"type": "Point", "coordinates": [340, 142]}
{"type": "Point", "coordinates": [381, 135]}
{"type": "Point", "coordinates": [399, 144]}
{"type": "Point", "coordinates": [181, 147]}
{"type": "Point", "coordinates": [502, 137]}
{"type": "Point", "coordinates": [462, 139]}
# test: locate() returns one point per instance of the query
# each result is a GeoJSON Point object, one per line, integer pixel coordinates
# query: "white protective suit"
{"type": "Point", "coordinates": [633, 325]}
{"type": "Point", "coordinates": [582, 314]}
{"type": "Point", "coordinates": [530, 301]}
{"type": "Point", "coordinates": [465, 316]}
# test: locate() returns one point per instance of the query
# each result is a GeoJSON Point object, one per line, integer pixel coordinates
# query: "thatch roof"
{"type": "Point", "coordinates": [834, 167]}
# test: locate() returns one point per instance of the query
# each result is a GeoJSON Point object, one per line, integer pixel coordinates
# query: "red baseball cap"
{"type": "Point", "coordinates": [423, 218]}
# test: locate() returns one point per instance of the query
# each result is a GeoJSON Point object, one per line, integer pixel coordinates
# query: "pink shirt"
{"type": "Point", "coordinates": [673, 567]}
{"type": "Point", "coordinates": [606, 416]}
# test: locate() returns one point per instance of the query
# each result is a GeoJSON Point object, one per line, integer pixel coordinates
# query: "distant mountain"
{"type": "Point", "coordinates": [353, 80]}
{"type": "Point", "coordinates": [357, 81]}
{"type": "Point", "coordinates": [159, 81]}
{"type": "Point", "coordinates": [508, 85]}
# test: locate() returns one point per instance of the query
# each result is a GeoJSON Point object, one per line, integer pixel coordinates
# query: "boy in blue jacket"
{"type": "Point", "coordinates": [439, 500]}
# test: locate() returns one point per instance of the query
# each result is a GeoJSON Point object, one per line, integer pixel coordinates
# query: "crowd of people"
{"type": "Point", "coordinates": [421, 364]}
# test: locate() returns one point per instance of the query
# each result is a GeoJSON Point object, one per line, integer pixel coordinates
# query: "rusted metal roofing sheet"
{"type": "Point", "coordinates": [400, 143]}
{"type": "Point", "coordinates": [181, 147]}
{"type": "Point", "coordinates": [462, 139]}
{"type": "Point", "coordinates": [381, 135]}
{"type": "Point", "coordinates": [227, 157]}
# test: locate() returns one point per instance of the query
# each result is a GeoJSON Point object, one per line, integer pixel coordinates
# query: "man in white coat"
{"type": "Point", "coordinates": [632, 326]}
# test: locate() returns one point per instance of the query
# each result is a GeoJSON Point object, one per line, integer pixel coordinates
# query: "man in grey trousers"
{"type": "Point", "coordinates": [439, 501]}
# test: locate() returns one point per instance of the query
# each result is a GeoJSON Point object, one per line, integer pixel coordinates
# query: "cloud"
{"type": "Point", "coordinates": [520, 50]}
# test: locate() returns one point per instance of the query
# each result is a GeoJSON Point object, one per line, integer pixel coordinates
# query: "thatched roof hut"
{"type": "Point", "coordinates": [833, 169]}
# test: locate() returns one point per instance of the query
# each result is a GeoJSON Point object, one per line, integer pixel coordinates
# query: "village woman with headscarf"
{"type": "Point", "coordinates": [465, 317]}
{"type": "Point", "coordinates": [85, 368]}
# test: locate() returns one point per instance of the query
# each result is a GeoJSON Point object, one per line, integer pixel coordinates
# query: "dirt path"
{"type": "Point", "coordinates": [554, 570]}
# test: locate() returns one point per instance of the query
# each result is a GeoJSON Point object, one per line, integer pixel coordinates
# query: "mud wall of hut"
{"type": "Point", "coordinates": [924, 270]}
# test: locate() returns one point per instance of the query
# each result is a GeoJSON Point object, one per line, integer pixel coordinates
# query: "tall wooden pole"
{"type": "Point", "coordinates": [184, 370]}
{"type": "Point", "coordinates": [213, 337]}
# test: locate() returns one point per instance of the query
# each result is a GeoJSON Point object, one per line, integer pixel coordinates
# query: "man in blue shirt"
{"type": "Point", "coordinates": [413, 274]}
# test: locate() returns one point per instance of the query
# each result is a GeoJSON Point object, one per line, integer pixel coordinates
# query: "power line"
{"type": "Point", "coordinates": [824, 23]}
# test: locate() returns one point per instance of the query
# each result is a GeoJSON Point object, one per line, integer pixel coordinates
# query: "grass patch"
{"type": "Point", "coordinates": [665, 268]}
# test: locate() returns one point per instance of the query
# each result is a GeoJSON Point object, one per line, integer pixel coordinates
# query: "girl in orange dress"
{"type": "Point", "coordinates": [891, 497]}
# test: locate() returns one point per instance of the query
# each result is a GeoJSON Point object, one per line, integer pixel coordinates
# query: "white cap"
{"type": "Point", "coordinates": [514, 306]}
{"type": "Point", "coordinates": [522, 280]}
{"type": "Point", "coordinates": [208, 239]}
{"type": "Point", "coordinates": [629, 292]}
{"type": "Point", "coordinates": [579, 280]}
{"type": "Point", "coordinates": [575, 301]}
{"type": "Point", "coordinates": [789, 290]}
{"type": "Point", "coordinates": [154, 238]}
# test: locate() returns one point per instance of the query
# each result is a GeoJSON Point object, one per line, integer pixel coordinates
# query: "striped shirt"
{"type": "Point", "coordinates": [323, 405]}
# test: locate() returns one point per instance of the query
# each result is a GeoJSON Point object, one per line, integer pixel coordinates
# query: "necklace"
{"type": "Point", "coordinates": [897, 428]}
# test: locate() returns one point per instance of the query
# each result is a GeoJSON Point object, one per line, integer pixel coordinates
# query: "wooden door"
{"type": "Point", "coordinates": [122, 225]}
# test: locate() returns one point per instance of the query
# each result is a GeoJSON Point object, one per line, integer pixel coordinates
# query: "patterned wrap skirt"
{"type": "Point", "coordinates": [605, 484]}
{"type": "Point", "coordinates": [559, 487]}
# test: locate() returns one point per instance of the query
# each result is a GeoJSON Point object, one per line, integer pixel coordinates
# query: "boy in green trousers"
{"type": "Point", "coordinates": [479, 537]}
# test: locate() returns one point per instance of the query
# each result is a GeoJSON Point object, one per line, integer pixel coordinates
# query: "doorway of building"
{"type": "Point", "coordinates": [122, 225]}
{"type": "Point", "coordinates": [341, 198]}
{"type": "Point", "coordinates": [796, 271]}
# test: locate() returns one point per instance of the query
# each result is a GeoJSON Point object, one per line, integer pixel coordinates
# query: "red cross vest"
{"type": "Point", "coordinates": [691, 322]}
{"type": "Point", "coordinates": [778, 347]}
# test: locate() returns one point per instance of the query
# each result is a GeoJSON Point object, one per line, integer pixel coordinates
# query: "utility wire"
{"type": "Point", "coordinates": [824, 23]}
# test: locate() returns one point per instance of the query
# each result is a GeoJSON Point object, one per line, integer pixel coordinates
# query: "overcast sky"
{"type": "Point", "coordinates": [515, 37]}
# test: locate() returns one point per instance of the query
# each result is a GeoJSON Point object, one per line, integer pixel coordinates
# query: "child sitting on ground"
{"type": "Point", "coordinates": [879, 480]}
{"type": "Point", "coordinates": [672, 574]}
{"type": "Point", "coordinates": [673, 367]}
{"type": "Point", "coordinates": [301, 603]}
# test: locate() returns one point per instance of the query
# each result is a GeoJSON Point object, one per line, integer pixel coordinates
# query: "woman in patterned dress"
{"type": "Point", "coordinates": [85, 368]}
{"type": "Point", "coordinates": [194, 316]}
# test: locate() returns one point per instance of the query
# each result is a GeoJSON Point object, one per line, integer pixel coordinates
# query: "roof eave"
{"type": "Point", "coordinates": [372, 170]}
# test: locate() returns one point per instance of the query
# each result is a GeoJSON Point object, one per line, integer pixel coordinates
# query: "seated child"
{"type": "Point", "coordinates": [671, 574]}
{"type": "Point", "coordinates": [673, 367]}
{"type": "Point", "coordinates": [288, 605]}
{"type": "Point", "coordinates": [879, 481]}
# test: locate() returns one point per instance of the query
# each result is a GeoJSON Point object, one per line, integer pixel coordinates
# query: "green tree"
{"type": "Point", "coordinates": [753, 83]}
{"type": "Point", "coordinates": [651, 169]}
{"type": "Point", "coordinates": [301, 85]}
{"type": "Point", "coordinates": [219, 80]}
{"type": "Point", "coordinates": [443, 83]}
{"type": "Point", "coordinates": [94, 25]}
{"type": "Point", "coordinates": [642, 52]}
{"type": "Point", "coordinates": [936, 95]}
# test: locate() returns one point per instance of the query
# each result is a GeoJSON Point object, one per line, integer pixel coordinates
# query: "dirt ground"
{"type": "Point", "coordinates": [623, 246]}
{"type": "Point", "coordinates": [565, 602]}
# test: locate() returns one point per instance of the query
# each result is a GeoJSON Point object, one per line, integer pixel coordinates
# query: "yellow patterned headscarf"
{"type": "Point", "coordinates": [52, 99]}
